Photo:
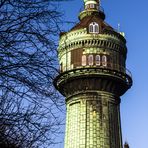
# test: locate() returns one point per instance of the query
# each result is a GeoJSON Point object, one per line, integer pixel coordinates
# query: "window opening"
{"type": "Point", "coordinates": [87, 6]}
{"type": "Point", "coordinates": [83, 60]}
{"type": "Point", "coordinates": [91, 28]}
{"type": "Point", "coordinates": [92, 6]}
{"type": "Point", "coordinates": [61, 67]}
{"type": "Point", "coordinates": [94, 27]}
{"type": "Point", "coordinates": [104, 60]}
{"type": "Point", "coordinates": [90, 59]}
{"type": "Point", "coordinates": [98, 60]}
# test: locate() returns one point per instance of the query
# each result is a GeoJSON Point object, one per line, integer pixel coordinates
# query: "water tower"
{"type": "Point", "coordinates": [93, 76]}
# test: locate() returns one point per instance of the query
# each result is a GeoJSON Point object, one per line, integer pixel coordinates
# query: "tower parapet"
{"type": "Point", "coordinates": [93, 76]}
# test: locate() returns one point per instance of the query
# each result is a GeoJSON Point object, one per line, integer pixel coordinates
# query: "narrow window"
{"type": "Point", "coordinates": [98, 60]}
{"type": "Point", "coordinates": [104, 60]}
{"type": "Point", "coordinates": [90, 59]}
{"type": "Point", "coordinates": [91, 28]}
{"type": "Point", "coordinates": [92, 6]}
{"type": "Point", "coordinates": [61, 67]}
{"type": "Point", "coordinates": [87, 6]}
{"type": "Point", "coordinates": [83, 60]}
{"type": "Point", "coordinates": [94, 27]}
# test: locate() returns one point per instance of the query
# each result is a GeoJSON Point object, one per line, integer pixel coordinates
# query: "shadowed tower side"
{"type": "Point", "coordinates": [92, 77]}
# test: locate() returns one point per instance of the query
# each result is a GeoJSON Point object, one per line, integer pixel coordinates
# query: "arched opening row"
{"type": "Point", "coordinates": [98, 60]}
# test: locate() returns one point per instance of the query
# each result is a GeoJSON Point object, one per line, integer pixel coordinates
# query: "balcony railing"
{"type": "Point", "coordinates": [107, 65]}
{"type": "Point", "coordinates": [111, 69]}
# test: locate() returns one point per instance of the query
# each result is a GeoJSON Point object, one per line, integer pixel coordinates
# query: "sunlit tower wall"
{"type": "Point", "coordinates": [93, 76]}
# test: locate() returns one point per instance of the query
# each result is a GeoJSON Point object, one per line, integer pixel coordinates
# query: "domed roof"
{"type": "Point", "coordinates": [103, 26]}
{"type": "Point", "coordinates": [84, 23]}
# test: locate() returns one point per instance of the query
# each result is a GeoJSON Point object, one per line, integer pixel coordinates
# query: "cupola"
{"type": "Point", "coordinates": [92, 7]}
{"type": "Point", "coordinates": [91, 4]}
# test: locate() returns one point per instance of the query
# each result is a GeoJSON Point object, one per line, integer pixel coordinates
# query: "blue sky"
{"type": "Point", "coordinates": [133, 18]}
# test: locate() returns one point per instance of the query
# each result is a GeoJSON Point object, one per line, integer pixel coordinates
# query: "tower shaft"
{"type": "Point", "coordinates": [93, 121]}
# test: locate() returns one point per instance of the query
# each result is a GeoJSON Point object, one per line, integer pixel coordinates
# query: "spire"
{"type": "Point", "coordinates": [92, 4]}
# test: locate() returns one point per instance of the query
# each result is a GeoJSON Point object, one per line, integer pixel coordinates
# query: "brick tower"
{"type": "Point", "coordinates": [93, 76]}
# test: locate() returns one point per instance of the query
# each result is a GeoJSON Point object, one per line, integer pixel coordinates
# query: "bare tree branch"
{"type": "Point", "coordinates": [29, 104]}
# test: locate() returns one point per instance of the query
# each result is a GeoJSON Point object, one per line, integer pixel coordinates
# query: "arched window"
{"type": "Point", "coordinates": [87, 7]}
{"type": "Point", "coordinates": [94, 27]}
{"type": "Point", "coordinates": [91, 28]}
{"type": "Point", "coordinates": [92, 5]}
{"type": "Point", "coordinates": [98, 60]}
{"type": "Point", "coordinates": [90, 60]}
{"type": "Point", "coordinates": [104, 60]}
{"type": "Point", "coordinates": [83, 60]}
